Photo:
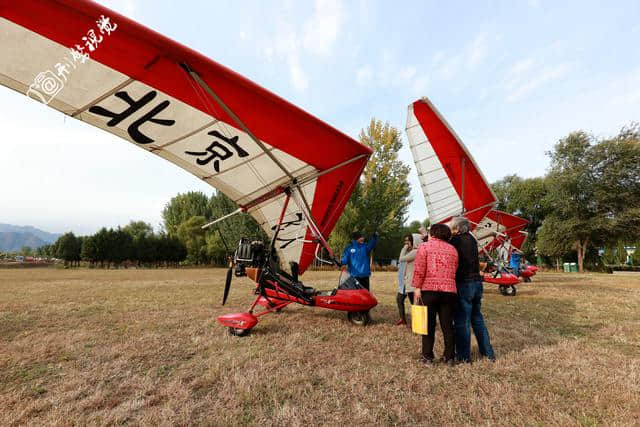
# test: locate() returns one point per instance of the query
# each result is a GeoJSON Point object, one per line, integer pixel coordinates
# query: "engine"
{"type": "Point", "coordinates": [249, 254]}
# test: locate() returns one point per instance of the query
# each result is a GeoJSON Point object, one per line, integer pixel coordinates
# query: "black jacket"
{"type": "Point", "coordinates": [468, 264]}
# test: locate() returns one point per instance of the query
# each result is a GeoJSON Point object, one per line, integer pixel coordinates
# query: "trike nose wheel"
{"type": "Point", "coordinates": [239, 332]}
{"type": "Point", "coordinates": [360, 318]}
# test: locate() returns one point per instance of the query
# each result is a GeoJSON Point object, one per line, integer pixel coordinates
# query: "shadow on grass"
{"type": "Point", "coordinates": [516, 324]}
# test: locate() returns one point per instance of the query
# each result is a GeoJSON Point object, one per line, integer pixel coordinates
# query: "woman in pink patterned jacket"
{"type": "Point", "coordinates": [434, 280]}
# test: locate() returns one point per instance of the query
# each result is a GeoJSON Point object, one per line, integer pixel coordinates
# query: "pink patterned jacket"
{"type": "Point", "coordinates": [435, 266]}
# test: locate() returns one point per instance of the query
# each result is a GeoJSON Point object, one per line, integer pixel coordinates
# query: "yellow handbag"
{"type": "Point", "coordinates": [419, 320]}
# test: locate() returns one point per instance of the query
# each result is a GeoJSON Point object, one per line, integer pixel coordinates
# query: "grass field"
{"type": "Point", "coordinates": [143, 347]}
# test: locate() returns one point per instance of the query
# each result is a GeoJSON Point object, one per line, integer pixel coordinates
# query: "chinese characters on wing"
{"type": "Point", "coordinates": [220, 149]}
{"type": "Point", "coordinates": [286, 224]}
{"type": "Point", "coordinates": [134, 106]}
{"type": "Point", "coordinates": [217, 151]}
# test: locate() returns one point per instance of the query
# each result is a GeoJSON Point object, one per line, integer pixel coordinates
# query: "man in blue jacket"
{"type": "Point", "coordinates": [514, 262]}
{"type": "Point", "coordinates": [356, 257]}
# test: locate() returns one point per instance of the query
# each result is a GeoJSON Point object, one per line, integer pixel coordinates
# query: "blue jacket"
{"type": "Point", "coordinates": [514, 262]}
{"type": "Point", "coordinates": [356, 257]}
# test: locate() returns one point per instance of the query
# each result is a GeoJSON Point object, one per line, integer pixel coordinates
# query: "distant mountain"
{"type": "Point", "coordinates": [42, 235]}
{"type": "Point", "coordinates": [10, 241]}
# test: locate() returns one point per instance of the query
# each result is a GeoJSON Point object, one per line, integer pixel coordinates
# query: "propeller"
{"type": "Point", "coordinates": [227, 283]}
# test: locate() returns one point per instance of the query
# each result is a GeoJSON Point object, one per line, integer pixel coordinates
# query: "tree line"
{"type": "Point", "coordinates": [133, 245]}
{"type": "Point", "coordinates": [587, 207]}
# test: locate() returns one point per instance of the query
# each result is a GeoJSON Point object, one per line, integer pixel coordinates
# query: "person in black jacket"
{"type": "Point", "coordinates": [469, 287]}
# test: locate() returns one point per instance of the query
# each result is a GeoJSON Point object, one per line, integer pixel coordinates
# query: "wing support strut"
{"type": "Point", "coordinates": [294, 185]}
{"type": "Point", "coordinates": [222, 218]}
{"type": "Point", "coordinates": [300, 202]}
{"type": "Point", "coordinates": [195, 76]}
{"type": "Point", "coordinates": [281, 189]}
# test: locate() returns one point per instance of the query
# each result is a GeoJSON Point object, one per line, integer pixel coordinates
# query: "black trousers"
{"type": "Point", "coordinates": [364, 281]}
{"type": "Point", "coordinates": [443, 304]}
{"type": "Point", "coordinates": [400, 300]}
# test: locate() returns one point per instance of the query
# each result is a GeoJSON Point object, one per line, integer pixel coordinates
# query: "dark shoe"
{"type": "Point", "coordinates": [449, 362]}
{"type": "Point", "coordinates": [490, 359]}
{"type": "Point", "coordinates": [401, 322]}
{"type": "Point", "coordinates": [427, 360]}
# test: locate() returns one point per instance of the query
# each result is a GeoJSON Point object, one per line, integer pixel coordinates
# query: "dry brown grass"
{"type": "Point", "coordinates": [143, 347]}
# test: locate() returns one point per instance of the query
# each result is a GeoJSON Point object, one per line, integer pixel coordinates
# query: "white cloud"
{"type": "Point", "coordinates": [321, 30]}
{"type": "Point", "coordinates": [450, 66]}
{"type": "Point", "coordinates": [364, 76]}
{"type": "Point", "coordinates": [315, 37]}
{"type": "Point", "coordinates": [420, 85]}
{"type": "Point", "coordinates": [522, 66]}
{"type": "Point", "coordinates": [526, 82]}
{"type": "Point", "coordinates": [286, 43]}
{"type": "Point", "coordinates": [407, 73]}
{"type": "Point", "coordinates": [438, 57]}
{"type": "Point", "coordinates": [298, 78]}
{"type": "Point", "coordinates": [478, 49]}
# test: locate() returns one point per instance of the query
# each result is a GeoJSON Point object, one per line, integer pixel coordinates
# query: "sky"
{"type": "Point", "coordinates": [511, 78]}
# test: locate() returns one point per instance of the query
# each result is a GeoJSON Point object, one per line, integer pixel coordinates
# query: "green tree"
{"type": "Point", "coordinates": [552, 239]}
{"type": "Point", "coordinates": [525, 198]}
{"type": "Point", "coordinates": [381, 200]}
{"type": "Point", "coordinates": [216, 249]}
{"type": "Point", "coordinates": [593, 192]}
{"type": "Point", "coordinates": [177, 251]}
{"type": "Point", "coordinates": [635, 258]}
{"type": "Point", "coordinates": [146, 249]}
{"type": "Point", "coordinates": [231, 230]}
{"type": "Point", "coordinates": [68, 248]}
{"type": "Point", "coordinates": [415, 225]}
{"type": "Point", "coordinates": [122, 249]}
{"type": "Point", "coordinates": [26, 251]}
{"type": "Point", "coordinates": [621, 253]}
{"type": "Point", "coordinates": [183, 207]}
{"type": "Point", "coordinates": [138, 228]}
{"type": "Point", "coordinates": [190, 232]}
{"type": "Point", "coordinates": [103, 240]}
{"type": "Point", "coordinates": [42, 251]}
{"type": "Point", "coordinates": [89, 250]}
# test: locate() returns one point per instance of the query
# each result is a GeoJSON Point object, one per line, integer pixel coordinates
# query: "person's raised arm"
{"type": "Point", "coordinates": [372, 242]}
{"type": "Point", "coordinates": [408, 255]}
{"type": "Point", "coordinates": [403, 253]}
{"type": "Point", "coordinates": [345, 256]}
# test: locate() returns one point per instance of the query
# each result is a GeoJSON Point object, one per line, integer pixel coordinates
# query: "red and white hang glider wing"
{"type": "Point", "coordinates": [518, 239]}
{"type": "Point", "coordinates": [499, 227]}
{"type": "Point", "coordinates": [107, 70]}
{"type": "Point", "coordinates": [451, 181]}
